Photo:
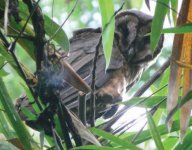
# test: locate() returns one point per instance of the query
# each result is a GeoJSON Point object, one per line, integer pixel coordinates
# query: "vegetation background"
{"type": "Point", "coordinates": [151, 133]}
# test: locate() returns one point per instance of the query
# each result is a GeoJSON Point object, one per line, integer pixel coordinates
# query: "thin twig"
{"type": "Point", "coordinates": [92, 100]}
{"type": "Point", "coordinates": [63, 22]}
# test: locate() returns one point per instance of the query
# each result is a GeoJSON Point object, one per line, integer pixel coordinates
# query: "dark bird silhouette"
{"type": "Point", "coordinates": [131, 55]}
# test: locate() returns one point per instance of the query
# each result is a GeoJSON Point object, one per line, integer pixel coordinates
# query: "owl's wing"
{"type": "Point", "coordinates": [82, 52]}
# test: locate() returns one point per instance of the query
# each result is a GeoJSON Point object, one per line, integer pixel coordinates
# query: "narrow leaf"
{"type": "Point", "coordinates": [154, 132]}
{"type": "Point", "coordinates": [157, 23]}
{"type": "Point", "coordinates": [174, 6]}
{"type": "Point", "coordinates": [3, 73]}
{"type": "Point", "coordinates": [13, 117]}
{"type": "Point", "coordinates": [187, 28]}
{"type": "Point", "coordinates": [147, 102]}
{"type": "Point", "coordinates": [28, 113]}
{"type": "Point", "coordinates": [145, 135]}
{"type": "Point", "coordinates": [94, 147]}
{"type": "Point", "coordinates": [114, 139]}
{"type": "Point", "coordinates": [108, 27]}
{"type": "Point", "coordinates": [180, 103]}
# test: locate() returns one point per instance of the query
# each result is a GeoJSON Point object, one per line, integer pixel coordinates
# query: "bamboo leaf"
{"type": "Point", "coordinates": [94, 147]}
{"type": "Point", "coordinates": [61, 37]}
{"type": "Point", "coordinates": [157, 23]}
{"type": "Point", "coordinates": [114, 139]}
{"type": "Point", "coordinates": [13, 117]}
{"type": "Point", "coordinates": [180, 103]}
{"type": "Point", "coordinates": [186, 144]}
{"type": "Point", "coordinates": [108, 27]}
{"type": "Point", "coordinates": [187, 28]}
{"type": "Point", "coordinates": [3, 73]}
{"type": "Point", "coordinates": [174, 6]}
{"type": "Point", "coordinates": [28, 113]}
{"type": "Point", "coordinates": [154, 132]}
{"type": "Point", "coordinates": [162, 129]}
{"type": "Point", "coordinates": [147, 102]}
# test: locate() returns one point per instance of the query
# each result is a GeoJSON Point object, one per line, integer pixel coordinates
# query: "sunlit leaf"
{"type": "Point", "coordinates": [157, 23]}
{"type": "Point", "coordinates": [108, 27]}
{"type": "Point", "coordinates": [3, 73]}
{"type": "Point", "coordinates": [154, 132]}
{"type": "Point", "coordinates": [94, 147]}
{"type": "Point", "coordinates": [187, 28]}
{"type": "Point", "coordinates": [174, 6]}
{"type": "Point", "coordinates": [112, 138]}
{"type": "Point", "coordinates": [162, 129]}
{"type": "Point", "coordinates": [148, 102]}
{"type": "Point", "coordinates": [186, 144]}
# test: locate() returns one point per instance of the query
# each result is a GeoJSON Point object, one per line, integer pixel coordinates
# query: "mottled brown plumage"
{"type": "Point", "coordinates": [131, 55]}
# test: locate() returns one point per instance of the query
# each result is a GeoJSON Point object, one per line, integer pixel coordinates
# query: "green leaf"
{"type": "Point", "coordinates": [162, 129]}
{"type": "Point", "coordinates": [112, 138]}
{"type": "Point", "coordinates": [31, 98]}
{"type": "Point", "coordinates": [187, 28]}
{"type": "Point", "coordinates": [13, 117]}
{"type": "Point", "coordinates": [157, 23]}
{"type": "Point", "coordinates": [169, 142]}
{"type": "Point", "coordinates": [174, 6]}
{"type": "Point", "coordinates": [136, 4]}
{"type": "Point", "coordinates": [28, 113]}
{"type": "Point", "coordinates": [108, 27]}
{"type": "Point", "coordinates": [147, 102]}
{"type": "Point", "coordinates": [3, 73]}
{"type": "Point", "coordinates": [164, 81]}
{"type": "Point", "coordinates": [180, 103]}
{"type": "Point", "coordinates": [94, 147]}
{"type": "Point", "coordinates": [61, 37]}
{"type": "Point", "coordinates": [154, 132]}
{"type": "Point", "coordinates": [186, 144]}
{"type": "Point", "coordinates": [5, 126]}
{"type": "Point", "coordinates": [2, 60]}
